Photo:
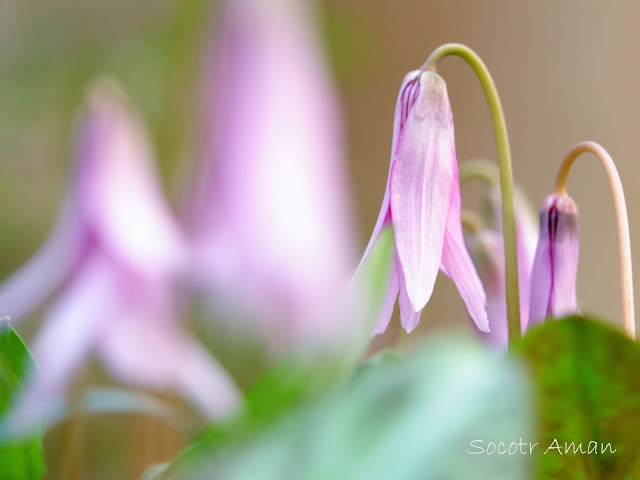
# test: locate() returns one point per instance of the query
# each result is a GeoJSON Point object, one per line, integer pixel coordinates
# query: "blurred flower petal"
{"type": "Point", "coordinates": [153, 352]}
{"type": "Point", "coordinates": [118, 189]}
{"type": "Point", "coordinates": [30, 286]}
{"type": "Point", "coordinates": [69, 331]}
{"type": "Point", "coordinates": [526, 238]}
{"type": "Point", "coordinates": [485, 247]}
{"type": "Point", "coordinates": [129, 251]}
{"type": "Point", "coordinates": [271, 214]}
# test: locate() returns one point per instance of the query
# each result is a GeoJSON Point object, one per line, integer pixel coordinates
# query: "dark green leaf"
{"type": "Point", "coordinates": [589, 391]}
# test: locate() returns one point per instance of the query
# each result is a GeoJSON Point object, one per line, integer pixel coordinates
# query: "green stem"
{"type": "Point", "coordinates": [506, 174]}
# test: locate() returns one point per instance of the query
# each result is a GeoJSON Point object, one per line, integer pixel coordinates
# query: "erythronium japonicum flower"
{"type": "Point", "coordinates": [526, 241]}
{"type": "Point", "coordinates": [485, 245]}
{"type": "Point", "coordinates": [561, 202]}
{"type": "Point", "coordinates": [270, 217]}
{"type": "Point", "coordinates": [486, 248]}
{"type": "Point", "coordinates": [112, 260]}
{"type": "Point", "coordinates": [555, 265]}
{"type": "Point", "coordinates": [422, 206]}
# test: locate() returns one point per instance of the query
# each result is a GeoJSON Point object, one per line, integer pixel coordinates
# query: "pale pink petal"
{"type": "Point", "coordinates": [389, 301]}
{"type": "Point", "coordinates": [147, 350]}
{"type": "Point", "coordinates": [485, 248]}
{"type": "Point", "coordinates": [408, 91]}
{"type": "Point", "coordinates": [459, 267]}
{"type": "Point", "coordinates": [421, 187]}
{"type": "Point", "coordinates": [384, 220]}
{"type": "Point", "coordinates": [28, 288]}
{"type": "Point", "coordinates": [406, 98]}
{"type": "Point", "coordinates": [409, 317]}
{"type": "Point", "coordinates": [69, 332]}
{"type": "Point", "coordinates": [272, 189]}
{"type": "Point", "coordinates": [526, 238]}
{"type": "Point", "coordinates": [118, 188]}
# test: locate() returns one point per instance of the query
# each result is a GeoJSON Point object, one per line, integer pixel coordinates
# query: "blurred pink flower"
{"type": "Point", "coordinates": [271, 216]}
{"type": "Point", "coordinates": [422, 205]}
{"type": "Point", "coordinates": [555, 266]}
{"type": "Point", "coordinates": [485, 248]}
{"type": "Point", "coordinates": [112, 260]}
{"type": "Point", "coordinates": [487, 252]}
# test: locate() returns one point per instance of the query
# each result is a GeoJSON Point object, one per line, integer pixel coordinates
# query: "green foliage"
{"type": "Point", "coordinates": [19, 460]}
{"type": "Point", "coordinates": [399, 418]}
{"type": "Point", "coordinates": [589, 391]}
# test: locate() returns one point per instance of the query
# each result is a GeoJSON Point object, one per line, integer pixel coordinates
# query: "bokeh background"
{"type": "Point", "coordinates": [566, 71]}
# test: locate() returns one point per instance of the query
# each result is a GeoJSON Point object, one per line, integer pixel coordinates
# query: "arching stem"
{"type": "Point", "coordinates": [471, 221]}
{"type": "Point", "coordinates": [479, 169]}
{"type": "Point", "coordinates": [506, 174]}
{"type": "Point", "coordinates": [622, 220]}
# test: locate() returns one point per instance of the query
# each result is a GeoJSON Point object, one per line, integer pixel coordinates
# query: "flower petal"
{"type": "Point", "coordinates": [526, 238]}
{"type": "Point", "coordinates": [409, 317]}
{"type": "Point", "coordinates": [485, 248]}
{"type": "Point", "coordinates": [421, 187]}
{"type": "Point", "coordinates": [181, 364]}
{"type": "Point", "coordinates": [271, 216]}
{"type": "Point", "coordinates": [384, 219]}
{"type": "Point", "coordinates": [69, 331]}
{"type": "Point", "coordinates": [389, 301]}
{"type": "Point", "coordinates": [459, 267]}
{"type": "Point", "coordinates": [118, 188]}
{"type": "Point", "coordinates": [28, 288]}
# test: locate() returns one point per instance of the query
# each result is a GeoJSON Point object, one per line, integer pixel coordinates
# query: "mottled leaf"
{"type": "Point", "coordinates": [589, 395]}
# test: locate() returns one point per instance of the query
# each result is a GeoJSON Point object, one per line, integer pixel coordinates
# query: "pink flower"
{"type": "Point", "coordinates": [555, 266]}
{"type": "Point", "coordinates": [487, 251]}
{"type": "Point", "coordinates": [271, 217]}
{"type": "Point", "coordinates": [422, 206]}
{"type": "Point", "coordinates": [112, 262]}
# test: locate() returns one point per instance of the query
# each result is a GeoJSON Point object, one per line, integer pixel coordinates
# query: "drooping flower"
{"type": "Point", "coordinates": [526, 241]}
{"type": "Point", "coordinates": [487, 251]}
{"type": "Point", "coordinates": [422, 206]}
{"type": "Point", "coordinates": [555, 266]}
{"type": "Point", "coordinates": [112, 261]}
{"type": "Point", "coordinates": [270, 216]}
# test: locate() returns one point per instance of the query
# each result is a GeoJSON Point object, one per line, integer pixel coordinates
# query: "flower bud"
{"type": "Point", "coordinates": [555, 265]}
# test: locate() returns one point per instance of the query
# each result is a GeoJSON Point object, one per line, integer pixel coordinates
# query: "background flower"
{"type": "Point", "coordinates": [115, 256]}
{"type": "Point", "coordinates": [49, 50]}
{"type": "Point", "coordinates": [270, 217]}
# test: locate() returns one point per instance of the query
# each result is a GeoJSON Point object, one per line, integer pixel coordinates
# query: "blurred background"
{"type": "Point", "coordinates": [566, 71]}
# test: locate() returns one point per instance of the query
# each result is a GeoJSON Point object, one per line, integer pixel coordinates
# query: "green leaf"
{"type": "Point", "coordinates": [403, 419]}
{"type": "Point", "coordinates": [21, 459]}
{"type": "Point", "coordinates": [589, 391]}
